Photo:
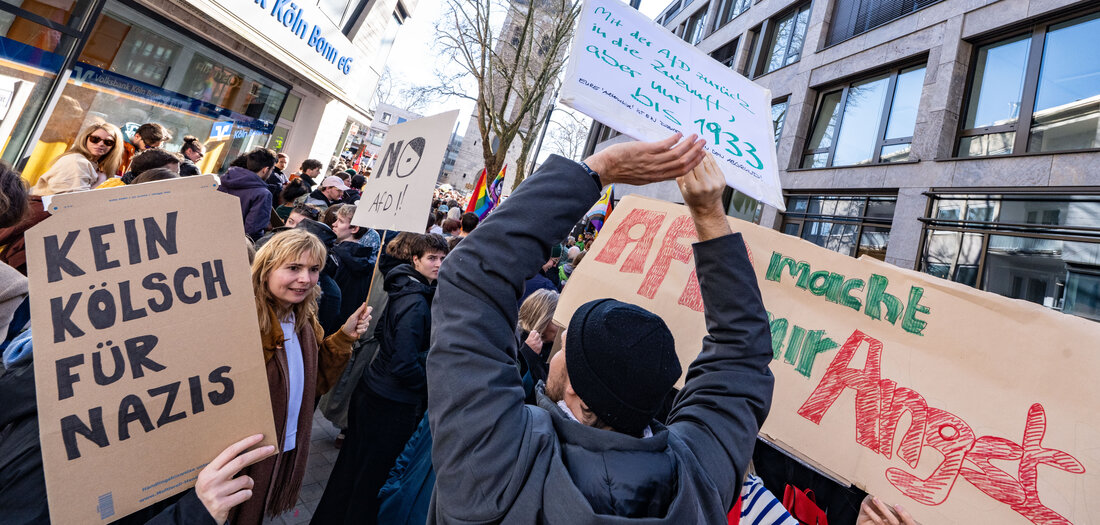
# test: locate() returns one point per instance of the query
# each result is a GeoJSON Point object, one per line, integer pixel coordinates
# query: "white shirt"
{"type": "Point", "coordinates": [296, 387]}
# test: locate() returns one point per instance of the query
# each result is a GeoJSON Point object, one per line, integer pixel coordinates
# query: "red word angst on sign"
{"type": "Point", "coordinates": [880, 404]}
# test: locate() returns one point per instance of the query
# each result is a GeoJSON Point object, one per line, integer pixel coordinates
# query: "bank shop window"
{"type": "Point", "coordinates": [1040, 248]}
{"type": "Point", "coordinates": [135, 70]}
{"type": "Point", "coordinates": [854, 225]}
{"type": "Point", "coordinates": [869, 121]}
{"type": "Point", "coordinates": [35, 37]}
{"type": "Point", "coordinates": [1036, 92]}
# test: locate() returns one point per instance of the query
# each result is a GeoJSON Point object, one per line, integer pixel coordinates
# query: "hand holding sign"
{"type": "Point", "coordinates": [645, 162]}
{"type": "Point", "coordinates": [702, 189]}
{"type": "Point", "coordinates": [359, 321]}
{"type": "Point", "coordinates": [218, 489]}
{"type": "Point", "coordinates": [874, 512]}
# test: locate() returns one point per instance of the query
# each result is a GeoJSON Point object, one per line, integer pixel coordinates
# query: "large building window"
{"type": "Point", "coordinates": [779, 114]}
{"type": "Point", "coordinates": [1036, 92]}
{"type": "Point", "coordinates": [782, 42]}
{"type": "Point", "coordinates": [1039, 248]}
{"type": "Point", "coordinates": [853, 17]}
{"type": "Point", "coordinates": [869, 121]}
{"type": "Point", "coordinates": [696, 23]}
{"type": "Point", "coordinates": [730, 9]}
{"type": "Point", "coordinates": [854, 225]}
{"type": "Point", "coordinates": [727, 54]}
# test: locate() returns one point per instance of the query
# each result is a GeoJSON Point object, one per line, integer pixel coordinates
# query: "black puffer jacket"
{"type": "Point", "coordinates": [353, 276]}
{"type": "Point", "coordinates": [403, 334]}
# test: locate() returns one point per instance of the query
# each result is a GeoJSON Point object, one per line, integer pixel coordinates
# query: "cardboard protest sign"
{"type": "Point", "coordinates": [636, 77]}
{"type": "Point", "coordinates": [961, 405]}
{"type": "Point", "coordinates": [398, 195]}
{"type": "Point", "coordinates": [146, 346]}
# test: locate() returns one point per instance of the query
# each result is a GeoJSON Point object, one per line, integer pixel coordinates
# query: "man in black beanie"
{"type": "Point", "coordinates": [591, 451]}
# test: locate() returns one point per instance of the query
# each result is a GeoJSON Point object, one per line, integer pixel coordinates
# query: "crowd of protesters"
{"type": "Point", "coordinates": [466, 402]}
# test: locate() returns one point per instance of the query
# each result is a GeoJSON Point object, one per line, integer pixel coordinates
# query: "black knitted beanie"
{"type": "Point", "coordinates": [621, 361]}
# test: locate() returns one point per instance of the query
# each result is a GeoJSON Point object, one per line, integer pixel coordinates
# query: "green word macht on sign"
{"type": "Point", "coordinates": [836, 288]}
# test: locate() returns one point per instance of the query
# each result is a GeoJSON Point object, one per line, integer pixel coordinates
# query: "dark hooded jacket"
{"type": "Point", "coordinates": [397, 373]}
{"type": "Point", "coordinates": [354, 275]}
{"type": "Point", "coordinates": [498, 460]}
{"type": "Point", "coordinates": [188, 168]}
{"type": "Point", "coordinates": [255, 199]}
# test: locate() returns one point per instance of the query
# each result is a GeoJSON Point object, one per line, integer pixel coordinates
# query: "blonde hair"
{"type": "Point", "coordinates": [538, 310]}
{"type": "Point", "coordinates": [285, 246]}
{"type": "Point", "coordinates": [346, 211]}
{"type": "Point", "coordinates": [111, 160]}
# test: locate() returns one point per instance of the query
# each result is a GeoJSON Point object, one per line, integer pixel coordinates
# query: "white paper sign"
{"type": "Point", "coordinates": [398, 195]}
{"type": "Point", "coordinates": [635, 76]}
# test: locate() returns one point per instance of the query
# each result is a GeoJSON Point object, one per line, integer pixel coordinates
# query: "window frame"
{"type": "Point", "coordinates": [1037, 33]}
{"type": "Point", "coordinates": [880, 137]}
{"type": "Point", "coordinates": [765, 34]}
{"type": "Point", "coordinates": [731, 60]}
{"type": "Point", "coordinates": [696, 23]}
{"type": "Point", "coordinates": [987, 229]}
{"type": "Point", "coordinates": [778, 131]}
{"type": "Point", "coordinates": [800, 218]}
{"type": "Point", "coordinates": [725, 12]}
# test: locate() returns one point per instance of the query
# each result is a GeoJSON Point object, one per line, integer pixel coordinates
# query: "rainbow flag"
{"type": "Point", "coordinates": [486, 195]}
{"type": "Point", "coordinates": [598, 213]}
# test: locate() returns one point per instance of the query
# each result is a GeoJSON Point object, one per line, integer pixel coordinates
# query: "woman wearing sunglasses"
{"type": "Point", "coordinates": [95, 154]}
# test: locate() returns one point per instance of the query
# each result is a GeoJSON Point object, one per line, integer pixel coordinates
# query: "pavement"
{"type": "Point", "coordinates": [322, 456]}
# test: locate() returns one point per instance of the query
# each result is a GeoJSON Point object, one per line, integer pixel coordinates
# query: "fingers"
{"type": "Point", "coordinates": [237, 498]}
{"type": "Point", "coordinates": [246, 459]}
{"type": "Point", "coordinates": [884, 511]}
{"type": "Point", "coordinates": [233, 450]}
{"type": "Point", "coordinates": [906, 518]}
{"type": "Point", "coordinates": [666, 155]}
{"type": "Point", "coordinates": [235, 485]}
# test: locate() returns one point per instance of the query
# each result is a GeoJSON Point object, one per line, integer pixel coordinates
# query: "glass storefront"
{"type": "Point", "coordinates": [134, 69]}
{"type": "Point", "coordinates": [1039, 248]}
{"type": "Point", "coordinates": [35, 37]}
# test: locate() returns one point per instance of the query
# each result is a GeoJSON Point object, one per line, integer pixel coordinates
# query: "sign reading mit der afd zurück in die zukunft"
{"type": "Point", "coordinates": [638, 78]}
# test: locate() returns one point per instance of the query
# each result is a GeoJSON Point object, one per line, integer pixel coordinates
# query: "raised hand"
{"type": "Point", "coordinates": [358, 322]}
{"type": "Point", "coordinates": [218, 489]}
{"type": "Point", "coordinates": [874, 512]}
{"type": "Point", "coordinates": [645, 162]}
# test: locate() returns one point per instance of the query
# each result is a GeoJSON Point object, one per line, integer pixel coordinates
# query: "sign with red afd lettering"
{"type": "Point", "coordinates": [961, 405]}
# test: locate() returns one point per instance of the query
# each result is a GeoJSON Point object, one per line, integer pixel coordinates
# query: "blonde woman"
{"type": "Point", "coordinates": [95, 155]}
{"type": "Point", "coordinates": [537, 331]}
{"type": "Point", "coordinates": [301, 364]}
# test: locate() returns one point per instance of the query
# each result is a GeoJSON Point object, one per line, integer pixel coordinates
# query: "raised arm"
{"type": "Point", "coordinates": [729, 387]}
{"type": "Point", "coordinates": [475, 394]}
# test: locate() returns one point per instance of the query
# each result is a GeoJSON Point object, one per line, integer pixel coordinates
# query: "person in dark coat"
{"type": "Point", "coordinates": [388, 402]}
{"type": "Point", "coordinates": [581, 455]}
{"type": "Point", "coordinates": [355, 272]}
{"type": "Point", "coordinates": [193, 151]}
{"type": "Point", "coordinates": [247, 184]}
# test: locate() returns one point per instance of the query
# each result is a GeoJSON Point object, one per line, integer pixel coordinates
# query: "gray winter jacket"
{"type": "Point", "coordinates": [499, 461]}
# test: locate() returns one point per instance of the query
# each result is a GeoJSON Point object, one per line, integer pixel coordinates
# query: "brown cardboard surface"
{"type": "Point", "coordinates": [188, 377]}
{"type": "Point", "coordinates": [961, 405]}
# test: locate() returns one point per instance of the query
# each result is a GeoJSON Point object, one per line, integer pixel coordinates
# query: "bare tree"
{"type": "Point", "coordinates": [403, 95]}
{"type": "Point", "coordinates": [567, 134]}
{"type": "Point", "coordinates": [516, 73]}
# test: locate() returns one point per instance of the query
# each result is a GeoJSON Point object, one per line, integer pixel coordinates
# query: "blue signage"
{"type": "Point", "coordinates": [289, 14]}
{"type": "Point", "coordinates": [221, 130]}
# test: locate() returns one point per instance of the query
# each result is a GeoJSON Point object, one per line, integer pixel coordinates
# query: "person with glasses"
{"type": "Point", "coordinates": [193, 151]}
{"type": "Point", "coordinates": [95, 154]}
{"type": "Point", "coordinates": [148, 136]}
